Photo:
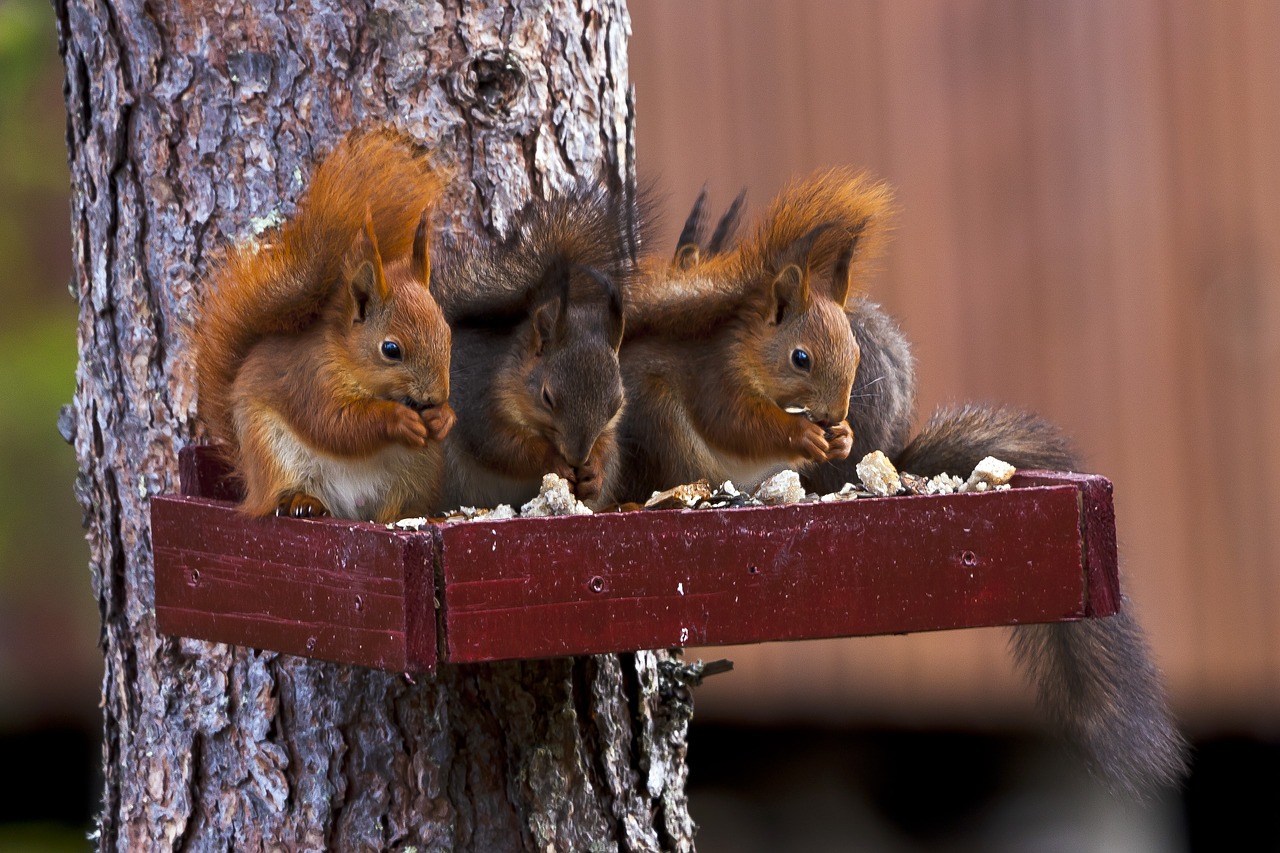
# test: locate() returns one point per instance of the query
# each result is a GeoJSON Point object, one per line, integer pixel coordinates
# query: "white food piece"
{"type": "Point", "coordinates": [990, 473]}
{"type": "Point", "coordinates": [878, 474]}
{"type": "Point", "coordinates": [410, 523]}
{"type": "Point", "coordinates": [795, 410]}
{"type": "Point", "coordinates": [943, 484]}
{"type": "Point", "coordinates": [555, 498]}
{"type": "Point", "coordinates": [498, 513]}
{"type": "Point", "coordinates": [782, 488]}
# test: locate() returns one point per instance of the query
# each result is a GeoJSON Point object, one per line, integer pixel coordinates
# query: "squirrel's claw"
{"type": "Point", "coordinates": [301, 505]}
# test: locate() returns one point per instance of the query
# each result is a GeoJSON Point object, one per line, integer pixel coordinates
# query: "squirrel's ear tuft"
{"type": "Point", "coordinates": [691, 235]}
{"type": "Point", "coordinates": [789, 293]}
{"type": "Point", "coordinates": [421, 258]}
{"type": "Point", "coordinates": [728, 225]}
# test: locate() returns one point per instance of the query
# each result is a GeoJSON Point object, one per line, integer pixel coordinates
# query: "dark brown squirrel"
{"type": "Point", "coordinates": [739, 363]}
{"type": "Point", "coordinates": [322, 360]}
{"type": "Point", "coordinates": [1094, 678]}
{"type": "Point", "coordinates": [538, 321]}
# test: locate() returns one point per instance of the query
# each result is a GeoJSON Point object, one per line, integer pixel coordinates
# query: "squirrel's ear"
{"type": "Point", "coordinates": [686, 256]}
{"type": "Point", "coordinates": [367, 251]}
{"type": "Point", "coordinates": [613, 307]}
{"type": "Point", "coordinates": [545, 323]}
{"type": "Point", "coordinates": [789, 293]}
{"type": "Point", "coordinates": [421, 258]}
{"type": "Point", "coordinates": [364, 290]}
{"type": "Point", "coordinates": [550, 314]}
{"type": "Point", "coordinates": [842, 273]}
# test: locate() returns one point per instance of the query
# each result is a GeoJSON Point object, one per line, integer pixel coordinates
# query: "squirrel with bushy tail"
{"type": "Point", "coordinates": [1094, 678]}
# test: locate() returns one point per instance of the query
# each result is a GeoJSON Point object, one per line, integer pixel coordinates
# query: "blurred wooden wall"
{"type": "Point", "coordinates": [1090, 226]}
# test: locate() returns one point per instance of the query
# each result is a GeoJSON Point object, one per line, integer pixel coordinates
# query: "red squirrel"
{"type": "Point", "coordinates": [740, 363]}
{"type": "Point", "coordinates": [322, 360]}
{"type": "Point", "coordinates": [538, 320]}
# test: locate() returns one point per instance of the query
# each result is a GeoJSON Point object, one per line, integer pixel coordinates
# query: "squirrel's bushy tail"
{"type": "Point", "coordinates": [282, 283]}
{"type": "Point", "coordinates": [1096, 681]}
{"type": "Point", "coordinates": [1094, 677]}
{"type": "Point", "coordinates": [957, 438]}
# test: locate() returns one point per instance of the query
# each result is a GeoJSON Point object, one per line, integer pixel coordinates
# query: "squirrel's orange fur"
{"type": "Point", "coordinates": [293, 371]}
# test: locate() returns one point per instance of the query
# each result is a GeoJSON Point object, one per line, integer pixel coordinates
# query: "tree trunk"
{"type": "Point", "coordinates": [195, 123]}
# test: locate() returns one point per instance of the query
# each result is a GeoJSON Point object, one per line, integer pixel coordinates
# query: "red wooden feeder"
{"type": "Point", "coordinates": [363, 593]}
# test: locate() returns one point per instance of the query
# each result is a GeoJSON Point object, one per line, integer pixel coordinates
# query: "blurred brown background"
{"type": "Point", "coordinates": [1090, 227]}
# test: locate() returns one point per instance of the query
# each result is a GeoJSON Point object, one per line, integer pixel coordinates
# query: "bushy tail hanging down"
{"type": "Point", "coordinates": [1094, 677]}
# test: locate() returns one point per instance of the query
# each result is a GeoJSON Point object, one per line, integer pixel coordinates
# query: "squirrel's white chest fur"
{"type": "Point", "coordinates": [351, 487]}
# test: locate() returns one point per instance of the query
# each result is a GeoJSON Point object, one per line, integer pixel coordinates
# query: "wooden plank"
{"type": "Point", "coordinates": [526, 588]}
{"type": "Point", "coordinates": [329, 589]}
{"type": "Point", "coordinates": [580, 585]}
{"type": "Point", "coordinates": [1098, 532]}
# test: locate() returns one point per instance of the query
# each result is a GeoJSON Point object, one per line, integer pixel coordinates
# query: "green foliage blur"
{"type": "Point", "coordinates": [49, 662]}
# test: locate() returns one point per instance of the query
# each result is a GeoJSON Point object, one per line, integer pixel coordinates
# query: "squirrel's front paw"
{"type": "Point", "coordinates": [439, 420]}
{"type": "Point", "coordinates": [839, 440]}
{"type": "Point", "coordinates": [556, 464]}
{"type": "Point", "coordinates": [588, 480]}
{"type": "Point", "coordinates": [406, 426]}
{"type": "Point", "coordinates": [301, 505]}
{"type": "Point", "coordinates": [810, 440]}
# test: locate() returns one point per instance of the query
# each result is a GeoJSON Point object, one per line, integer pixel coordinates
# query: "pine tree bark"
{"type": "Point", "coordinates": [194, 123]}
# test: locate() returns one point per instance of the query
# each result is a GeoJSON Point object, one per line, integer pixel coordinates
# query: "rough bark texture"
{"type": "Point", "coordinates": [194, 123]}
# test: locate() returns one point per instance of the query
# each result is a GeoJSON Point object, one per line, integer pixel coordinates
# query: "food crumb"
{"type": "Point", "coordinates": [555, 498]}
{"type": "Point", "coordinates": [878, 474]}
{"type": "Point", "coordinates": [782, 488]}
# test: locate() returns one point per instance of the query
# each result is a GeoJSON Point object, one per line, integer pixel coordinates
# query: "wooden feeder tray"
{"type": "Point", "coordinates": [367, 594]}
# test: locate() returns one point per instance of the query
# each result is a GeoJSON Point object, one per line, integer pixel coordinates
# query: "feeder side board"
{"type": "Point", "coordinates": [206, 473]}
{"type": "Point", "coordinates": [526, 588]}
{"type": "Point", "coordinates": [1098, 531]}
{"type": "Point", "coordinates": [329, 589]}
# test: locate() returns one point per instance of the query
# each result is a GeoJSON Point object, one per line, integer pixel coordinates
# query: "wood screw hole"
{"type": "Point", "coordinates": [359, 603]}
{"type": "Point", "coordinates": [311, 644]}
{"type": "Point", "coordinates": [596, 584]}
{"type": "Point", "coordinates": [753, 570]}
{"type": "Point", "coordinates": [195, 577]}
{"type": "Point", "coordinates": [969, 558]}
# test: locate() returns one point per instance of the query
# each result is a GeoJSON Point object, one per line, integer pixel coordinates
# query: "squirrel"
{"type": "Point", "coordinates": [322, 360]}
{"type": "Point", "coordinates": [739, 363]}
{"type": "Point", "coordinates": [537, 324]}
{"type": "Point", "coordinates": [1094, 678]}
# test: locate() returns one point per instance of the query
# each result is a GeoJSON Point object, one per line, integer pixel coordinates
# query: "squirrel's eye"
{"type": "Point", "coordinates": [546, 398]}
{"type": "Point", "coordinates": [800, 358]}
{"type": "Point", "coordinates": [391, 350]}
